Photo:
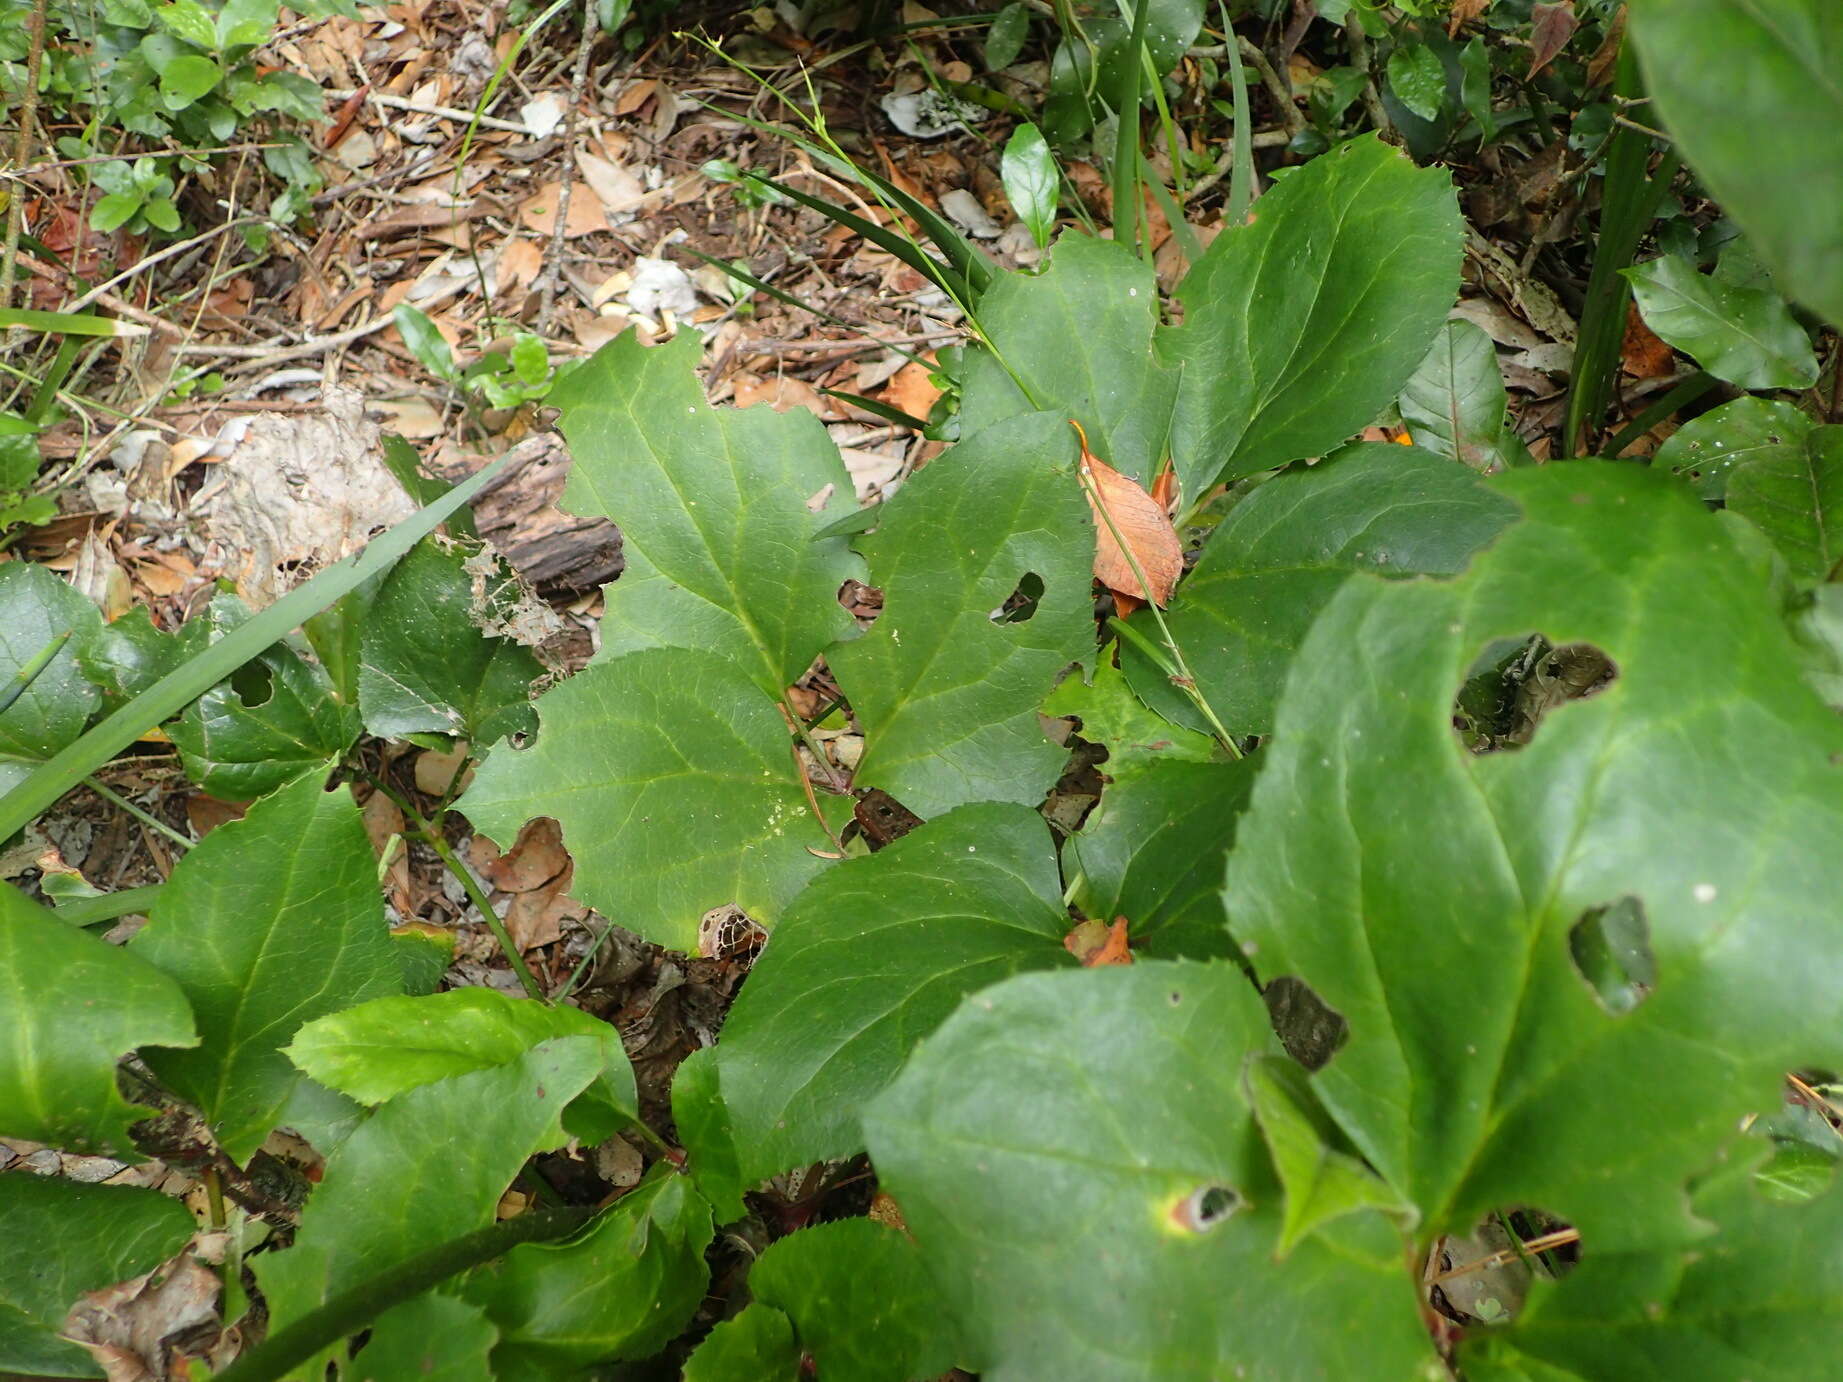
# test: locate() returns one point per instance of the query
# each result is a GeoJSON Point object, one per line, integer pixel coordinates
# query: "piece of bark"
{"type": "Point", "coordinates": [518, 514]}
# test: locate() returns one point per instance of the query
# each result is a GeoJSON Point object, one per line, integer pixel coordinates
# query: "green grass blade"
{"type": "Point", "coordinates": [949, 279]}
{"type": "Point", "coordinates": [1126, 186]}
{"type": "Point", "coordinates": [761, 285]}
{"type": "Point", "coordinates": [1241, 167]}
{"type": "Point", "coordinates": [881, 409]}
{"type": "Point", "coordinates": [173, 692]}
{"type": "Point", "coordinates": [29, 673]}
{"type": "Point", "coordinates": [88, 911]}
{"type": "Point", "coordinates": [69, 323]}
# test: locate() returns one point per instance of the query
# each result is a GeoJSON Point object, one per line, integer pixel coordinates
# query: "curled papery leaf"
{"type": "Point", "coordinates": [1130, 530]}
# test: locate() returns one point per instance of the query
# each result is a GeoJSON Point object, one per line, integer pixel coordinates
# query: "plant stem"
{"type": "Point", "coordinates": [430, 834]}
{"type": "Point", "coordinates": [553, 267]}
{"type": "Point", "coordinates": [146, 818]}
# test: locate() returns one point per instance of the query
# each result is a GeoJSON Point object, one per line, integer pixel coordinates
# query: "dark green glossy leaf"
{"type": "Point", "coordinates": [275, 718]}
{"type": "Point", "coordinates": [874, 955]}
{"type": "Point", "coordinates": [1790, 51]}
{"type": "Point", "coordinates": [1735, 329]}
{"type": "Point", "coordinates": [74, 1006]}
{"type": "Point", "coordinates": [1109, 712]}
{"type": "Point", "coordinates": [433, 1338]}
{"type": "Point", "coordinates": [861, 1302]}
{"type": "Point", "coordinates": [1708, 449]}
{"type": "Point", "coordinates": [377, 1050]}
{"type": "Point", "coordinates": [73, 1238]}
{"type": "Point", "coordinates": [19, 456]}
{"type": "Point", "coordinates": [1285, 550]}
{"type": "Point", "coordinates": [1096, 1118]}
{"type": "Point", "coordinates": [1760, 1300]}
{"type": "Point", "coordinates": [1477, 1043]}
{"type": "Point", "coordinates": [670, 773]}
{"type": "Point", "coordinates": [1795, 495]}
{"type": "Point", "coordinates": [716, 499]}
{"type": "Point", "coordinates": [1418, 79]}
{"type": "Point", "coordinates": [1005, 39]}
{"type": "Point", "coordinates": [427, 662]}
{"type": "Point", "coordinates": [1154, 850]}
{"type": "Point", "coordinates": [945, 687]}
{"type": "Point", "coordinates": [622, 1288]}
{"type": "Point", "coordinates": [703, 1122]}
{"type": "Point", "coordinates": [268, 922]}
{"type": "Point", "coordinates": [756, 1346]}
{"type": "Point", "coordinates": [1076, 340]}
{"type": "Point", "coordinates": [395, 1186]}
{"type": "Point", "coordinates": [1455, 403]}
{"type": "Point", "coordinates": [37, 607]}
{"type": "Point", "coordinates": [128, 655]}
{"type": "Point", "coordinates": [1302, 326]}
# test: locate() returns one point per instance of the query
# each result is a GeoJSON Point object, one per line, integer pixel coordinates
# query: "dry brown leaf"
{"type": "Point", "coordinates": [634, 95]}
{"type": "Point", "coordinates": [537, 857]}
{"type": "Point", "coordinates": [1095, 943]}
{"type": "Point", "coordinates": [1642, 354]}
{"type": "Point", "coordinates": [586, 216]}
{"type": "Point", "coordinates": [1464, 12]}
{"type": "Point", "coordinates": [780, 393]}
{"type": "Point", "coordinates": [912, 389]}
{"type": "Point", "coordinates": [1144, 526]}
{"type": "Point", "coordinates": [1550, 28]}
{"type": "Point", "coordinates": [519, 262]}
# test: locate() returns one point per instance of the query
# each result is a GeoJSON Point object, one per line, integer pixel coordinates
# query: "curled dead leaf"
{"type": "Point", "coordinates": [1095, 943]}
{"type": "Point", "coordinates": [1121, 506]}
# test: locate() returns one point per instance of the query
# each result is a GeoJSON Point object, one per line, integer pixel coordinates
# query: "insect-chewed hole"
{"type": "Point", "coordinates": [1205, 1208]}
{"type": "Point", "coordinates": [1611, 950]}
{"type": "Point", "coordinates": [1310, 1029]}
{"type": "Point", "coordinates": [1022, 602]}
{"type": "Point", "coordinates": [1484, 1277]}
{"type": "Point", "coordinates": [1515, 682]}
{"type": "Point", "coordinates": [254, 683]}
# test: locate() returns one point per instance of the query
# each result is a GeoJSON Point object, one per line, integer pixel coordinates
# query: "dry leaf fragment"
{"type": "Point", "coordinates": [1095, 943]}
{"type": "Point", "coordinates": [1120, 505]}
{"type": "Point", "coordinates": [1642, 354]}
{"type": "Point", "coordinates": [1464, 12]}
{"type": "Point", "coordinates": [1550, 28]}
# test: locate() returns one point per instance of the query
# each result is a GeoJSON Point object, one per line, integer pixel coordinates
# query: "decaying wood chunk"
{"type": "Point", "coordinates": [518, 514]}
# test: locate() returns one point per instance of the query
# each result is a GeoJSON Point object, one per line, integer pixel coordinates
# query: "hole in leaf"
{"type": "Point", "coordinates": [1484, 1277]}
{"type": "Point", "coordinates": [1021, 603]}
{"type": "Point", "coordinates": [1611, 950]}
{"type": "Point", "coordinates": [1516, 682]}
{"type": "Point", "coordinates": [1204, 1209]}
{"type": "Point", "coordinates": [254, 683]}
{"type": "Point", "coordinates": [1310, 1029]}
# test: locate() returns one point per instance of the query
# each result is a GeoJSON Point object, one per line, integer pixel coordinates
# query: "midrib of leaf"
{"type": "Point", "coordinates": [1820, 77]}
{"type": "Point", "coordinates": [1713, 318]}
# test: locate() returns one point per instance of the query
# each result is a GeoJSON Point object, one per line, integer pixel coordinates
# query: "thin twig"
{"type": "Point", "coordinates": [159, 257]}
{"type": "Point", "coordinates": [1278, 88]}
{"type": "Point", "coordinates": [1261, 139]}
{"type": "Point", "coordinates": [1560, 1238]}
{"type": "Point", "coordinates": [553, 254]}
{"type": "Point", "coordinates": [492, 122]}
{"type": "Point", "coordinates": [22, 150]}
{"type": "Point", "coordinates": [1372, 95]}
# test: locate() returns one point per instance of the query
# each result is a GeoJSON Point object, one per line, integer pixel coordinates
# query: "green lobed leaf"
{"type": "Point", "coordinates": [36, 607]}
{"type": "Point", "coordinates": [1735, 329]}
{"type": "Point", "coordinates": [1322, 1177]}
{"type": "Point", "coordinates": [1074, 1157]}
{"type": "Point", "coordinates": [427, 664]}
{"type": "Point", "coordinates": [1785, 55]}
{"type": "Point", "coordinates": [1109, 712]}
{"type": "Point", "coordinates": [1760, 1300]}
{"type": "Point", "coordinates": [73, 1238]}
{"type": "Point", "coordinates": [1300, 327]}
{"type": "Point", "coordinates": [1154, 850]}
{"type": "Point", "coordinates": [271, 720]}
{"type": "Point", "coordinates": [1708, 449]}
{"type": "Point", "coordinates": [672, 777]}
{"type": "Point", "coordinates": [127, 655]}
{"type": "Point", "coordinates": [1795, 496]}
{"type": "Point", "coordinates": [1455, 402]}
{"type": "Point", "coordinates": [1482, 1067]}
{"type": "Point", "coordinates": [704, 1131]}
{"type": "Point", "coordinates": [395, 1186]}
{"type": "Point", "coordinates": [1418, 79]}
{"type": "Point", "coordinates": [75, 1005]}
{"type": "Point", "coordinates": [432, 1338]}
{"type": "Point", "coordinates": [1286, 550]}
{"type": "Point", "coordinates": [757, 1345]}
{"type": "Point", "coordinates": [268, 922]}
{"type": "Point", "coordinates": [185, 80]}
{"type": "Point", "coordinates": [861, 1302]}
{"type": "Point", "coordinates": [377, 1050]}
{"type": "Point", "coordinates": [946, 693]}
{"type": "Point", "coordinates": [1076, 340]}
{"type": "Point", "coordinates": [723, 503]}
{"type": "Point", "coordinates": [1028, 170]}
{"type": "Point", "coordinates": [874, 955]}
{"type": "Point", "coordinates": [622, 1288]}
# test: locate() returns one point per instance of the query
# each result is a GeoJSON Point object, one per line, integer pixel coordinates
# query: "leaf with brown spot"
{"type": "Point", "coordinates": [1095, 943]}
{"type": "Point", "coordinates": [1120, 505]}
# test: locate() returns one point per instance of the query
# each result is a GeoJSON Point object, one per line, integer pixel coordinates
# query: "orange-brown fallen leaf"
{"type": "Point", "coordinates": [1095, 943]}
{"type": "Point", "coordinates": [1143, 526]}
